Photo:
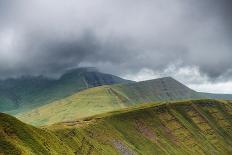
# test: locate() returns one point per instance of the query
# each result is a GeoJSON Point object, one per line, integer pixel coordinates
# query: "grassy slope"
{"type": "Point", "coordinates": [19, 138]}
{"type": "Point", "coordinates": [156, 90]}
{"type": "Point", "coordinates": [107, 98]}
{"type": "Point", "coordinates": [88, 102]}
{"type": "Point", "coordinates": [25, 93]}
{"type": "Point", "coordinates": [187, 127]}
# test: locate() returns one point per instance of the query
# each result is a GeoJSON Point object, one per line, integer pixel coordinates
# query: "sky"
{"type": "Point", "coordinates": [190, 40]}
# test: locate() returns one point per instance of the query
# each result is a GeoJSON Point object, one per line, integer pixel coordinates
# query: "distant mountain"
{"type": "Point", "coordinates": [187, 127]}
{"type": "Point", "coordinates": [28, 92]}
{"type": "Point", "coordinates": [160, 89]}
{"type": "Point", "coordinates": [218, 96]}
{"type": "Point", "coordinates": [108, 98]}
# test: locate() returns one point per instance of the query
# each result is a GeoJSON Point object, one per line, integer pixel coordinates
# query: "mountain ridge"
{"type": "Point", "coordinates": [102, 99]}
{"type": "Point", "coordinates": [28, 91]}
{"type": "Point", "coordinates": [186, 127]}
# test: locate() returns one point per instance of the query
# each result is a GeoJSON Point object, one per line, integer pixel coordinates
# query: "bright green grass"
{"type": "Point", "coordinates": [107, 98]}
{"type": "Point", "coordinates": [186, 127]}
{"type": "Point", "coordinates": [86, 103]}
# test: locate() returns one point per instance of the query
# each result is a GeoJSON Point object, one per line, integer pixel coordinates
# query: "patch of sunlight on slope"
{"type": "Point", "coordinates": [86, 103]}
{"type": "Point", "coordinates": [108, 98]}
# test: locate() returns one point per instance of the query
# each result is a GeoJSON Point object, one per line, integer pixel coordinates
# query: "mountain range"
{"type": "Point", "coordinates": [108, 98]}
{"type": "Point", "coordinates": [88, 112]}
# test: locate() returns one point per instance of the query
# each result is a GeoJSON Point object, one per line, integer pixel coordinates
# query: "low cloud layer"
{"type": "Point", "coordinates": [123, 37]}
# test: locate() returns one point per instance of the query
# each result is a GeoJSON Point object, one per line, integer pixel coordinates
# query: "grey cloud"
{"type": "Point", "coordinates": [49, 36]}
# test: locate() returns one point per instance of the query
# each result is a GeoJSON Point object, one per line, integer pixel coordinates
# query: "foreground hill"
{"type": "Point", "coordinates": [25, 93]}
{"type": "Point", "coordinates": [187, 127]}
{"type": "Point", "coordinates": [108, 98]}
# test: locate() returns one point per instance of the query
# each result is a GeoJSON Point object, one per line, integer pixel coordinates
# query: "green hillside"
{"type": "Point", "coordinates": [186, 127]}
{"type": "Point", "coordinates": [25, 93]}
{"type": "Point", "coordinates": [108, 98]}
{"type": "Point", "coordinates": [160, 89]}
{"type": "Point", "coordinates": [19, 138]}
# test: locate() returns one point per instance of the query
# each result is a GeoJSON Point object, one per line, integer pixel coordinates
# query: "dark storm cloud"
{"type": "Point", "coordinates": [49, 36]}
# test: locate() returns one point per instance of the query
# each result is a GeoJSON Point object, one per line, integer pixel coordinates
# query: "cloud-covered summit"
{"type": "Point", "coordinates": [124, 37]}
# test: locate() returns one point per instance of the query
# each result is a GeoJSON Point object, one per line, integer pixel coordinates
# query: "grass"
{"type": "Point", "coordinates": [183, 127]}
{"type": "Point", "coordinates": [104, 99]}
{"type": "Point", "coordinates": [83, 104]}
{"type": "Point", "coordinates": [23, 94]}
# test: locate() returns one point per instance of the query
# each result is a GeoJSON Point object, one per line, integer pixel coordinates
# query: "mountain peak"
{"type": "Point", "coordinates": [37, 91]}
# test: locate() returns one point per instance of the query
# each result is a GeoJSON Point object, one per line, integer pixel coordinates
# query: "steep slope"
{"type": "Point", "coordinates": [187, 127]}
{"type": "Point", "coordinates": [107, 98]}
{"type": "Point", "coordinates": [19, 138]}
{"type": "Point", "coordinates": [29, 92]}
{"type": "Point", "coordinates": [156, 90]}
